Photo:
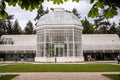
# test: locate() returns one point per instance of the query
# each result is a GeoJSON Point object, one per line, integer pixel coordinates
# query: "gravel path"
{"type": "Point", "coordinates": [62, 75]}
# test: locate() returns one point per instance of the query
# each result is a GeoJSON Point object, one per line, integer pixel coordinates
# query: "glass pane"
{"type": "Point", "coordinates": [61, 52]}
{"type": "Point", "coordinates": [57, 51]}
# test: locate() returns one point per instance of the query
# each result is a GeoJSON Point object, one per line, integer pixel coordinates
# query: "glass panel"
{"type": "Point", "coordinates": [70, 52]}
{"type": "Point", "coordinates": [61, 52]}
{"type": "Point", "coordinates": [57, 52]}
{"type": "Point", "coordinates": [71, 46]}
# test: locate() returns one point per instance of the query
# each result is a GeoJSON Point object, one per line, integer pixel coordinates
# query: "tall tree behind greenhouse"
{"type": "Point", "coordinates": [41, 12]}
{"type": "Point", "coordinates": [75, 12]}
{"type": "Point", "coordinates": [16, 28]}
{"type": "Point", "coordinates": [29, 28]}
{"type": "Point", "coordinates": [3, 27]}
{"type": "Point", "coordinates": [101, 24]}
{"type": "Point", "coordinates": [9, 24]}
{"type": "Point", "coordinates": [6, 25]}
{"type": "Point", "coordinates": [118, 28]}
{"type": "Point", "coordinates": [113, 29]}
{"type": "Point", "coordinates": [87, 27]}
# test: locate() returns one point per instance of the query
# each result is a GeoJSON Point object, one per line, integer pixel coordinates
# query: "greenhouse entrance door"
{"type": "Point", "coordinates": [59, 50]}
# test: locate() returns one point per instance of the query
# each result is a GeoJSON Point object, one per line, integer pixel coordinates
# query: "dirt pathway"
{"type": "Point", "coordinates": [62, 75]}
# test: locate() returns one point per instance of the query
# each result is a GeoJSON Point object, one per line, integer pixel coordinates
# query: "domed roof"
{"type": "Point", "coordinates": [59, 17]}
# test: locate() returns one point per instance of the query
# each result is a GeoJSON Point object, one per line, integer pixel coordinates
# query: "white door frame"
{"type": "Point", "coordinates": [59, 46]}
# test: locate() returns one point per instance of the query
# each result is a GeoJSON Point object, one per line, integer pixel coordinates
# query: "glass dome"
{"type": "Point", "coordinates": [59, 17]}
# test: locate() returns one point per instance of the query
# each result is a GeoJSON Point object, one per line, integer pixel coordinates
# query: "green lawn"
{"type": "Point", "coordinates": [112, 76]}
{"type": "Point", "coordinates": [7, 77]}
{"type": "Point", "coordinates": [60, 68]}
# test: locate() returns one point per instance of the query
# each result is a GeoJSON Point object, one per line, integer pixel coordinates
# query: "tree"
{"type": "Point", "coordinates": [75, 12]}
{"type": "Point", "coordinates": [29, 28]}
{"type": "Point", "coordinates": [118, 25]}
{"type": "Point", "coordinates": [16, 28]}
{"type": "Point", "coordinates": [9, 24]}
{"type": "Point", "coordinates": [118, 28]}
{"type": "Point", "coordinates": [111, 6]}
{"type": "Point", "coordinates": [113, 29]}
{"type": "Point", "coordinates": [101, 24]}
{"type": "Point", "coordinates": [41, 12]}
{"type": "Point", "coordinates": [3, 27]}
{"type": "Point", "coordinates": [87, 27]}
{"type": "Point", "coordinates": [6, 25]}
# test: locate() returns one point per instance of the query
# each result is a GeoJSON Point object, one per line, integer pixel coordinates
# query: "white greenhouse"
{"type": "Point", "coordinates": [59, 35]}
{"type": "Point", "coordinates": [59, 38]}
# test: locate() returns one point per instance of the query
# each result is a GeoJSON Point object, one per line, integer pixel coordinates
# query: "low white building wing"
{"type": "Point", "coordinates": [101, 43]}
{"type": "Point", "coordinates": [18, 43]}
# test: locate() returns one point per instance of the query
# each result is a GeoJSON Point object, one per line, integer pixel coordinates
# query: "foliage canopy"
{"type": "Point", "coordinates": [111, 6]}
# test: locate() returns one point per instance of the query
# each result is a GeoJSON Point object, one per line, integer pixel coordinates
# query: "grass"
{"type": "Point", "coordinates": [113, 76]}
{"type": "Point", "coordinates": [60, 68]}
{"type": "Point", "coordinates": [8, 77]}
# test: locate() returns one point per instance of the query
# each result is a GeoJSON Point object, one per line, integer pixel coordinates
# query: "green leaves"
{"type": "Point", "coordinates": [61, 1]}
{"type": "Point", "coordinates": [29, 4]}
{"type": "Point", "coordinates": [3, 13]}
{"type": "Point", "coordinates": [12, 2]}
{"type": "Point", "coordinates": [95, 9]}
{"type": "Point", "coordinates": [34, 4]}
{"type": "Point", "coordinates": [110, 13]}
{"type": "Point", "coordinates": [58, 2]}
{"type": "Point", "coordinates": [99, 5]}
{"type": "Point", "coordinates": [75, 0]}
{"type": "Point", "coordinates": [93, 12]}
{"type": "Point", "coordinates": [91, 1]}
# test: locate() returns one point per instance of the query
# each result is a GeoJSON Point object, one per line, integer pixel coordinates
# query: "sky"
{"type": "Point", "coordinates": [23, 16]}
